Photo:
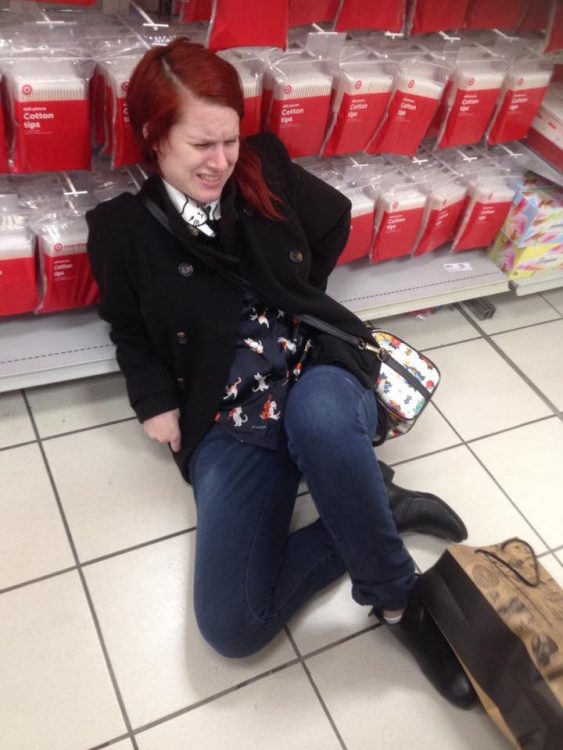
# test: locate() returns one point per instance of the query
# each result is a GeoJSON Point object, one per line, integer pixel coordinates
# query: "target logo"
{"type": "Point", "coordinates": [57, 247]}
{"type": "Point", "coordinates": [411, 83]}
{"type": "Point", "coordinates": [470, 82]}
{"type": "Point", "coordinates": [395, 204]}
{"type": "Point", "coordinates": [125, 86]}
{"type": "Point", "coordinates": [288, 89]}
{"type": "Point", "coordinates": [358, 85]}
{"type": "Point", "coordinates": [520, 81]}
{"type": "Point", "coordinates": [26, 89]}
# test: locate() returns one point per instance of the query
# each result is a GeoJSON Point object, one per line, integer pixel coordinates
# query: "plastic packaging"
{"type": "Point", "coordinates": [428, 16]}
{"type": "Point", "coordinates": [536, 16]}
{"type": "Point", "coordinates": [120, 138]}
{"type": "Point", "coordinates": [367, 14]}
{"type": "Point", "coordinates": [361, 228]}
{"type": "Point", "coordinates": [65, 274]}
{"type": "Point", "coordinates": [415, 101]}
{"type": "Point", "coordinates": [554, 34]}
{"type": "Point", "coordinates": [192, 11]}
{"type": "Point", "coordinates": [250, 68]}
{"type": "Point", "coordinates": [472, 97]}
{"type": "Point", "coordinates": [18, 282]}
{"type": "Point", "coordinates": [445, 203]}
{"type": "Point", "coordinates": [361, 94]}
{"type": "Point", "coordinates": [494, 14]}
{"type": "Point", "coordinates": [398, 221]}
{"type": "Point", "coordinates": [48, 101]}
{"type": "Point", "coordinates": [241, 23]}
{"type": "Point", "coordinates": [297, 104]}
{"type": "Point", "coordinates": [303, 12]}
{"type": "Point", "coordinates": [545, 136]}
{"type": "Point", "coordinates": [524, 88]}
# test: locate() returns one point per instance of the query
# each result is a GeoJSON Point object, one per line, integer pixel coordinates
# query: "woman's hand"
{"type": "Point", "coordinates": [165, 428]}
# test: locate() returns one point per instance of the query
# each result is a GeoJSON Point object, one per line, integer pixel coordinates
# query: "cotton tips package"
{"type": "Point", "coordinates": [48, 100]}
{"type": "Point", "coordinates": [250, 68]}
{"type": "Point", "coordinates": [546, 132]}
{"type": "Point", "coordinates": [241, 23]}
{"type": "Point", "coordinates": [297, 103]}
{"type": "Point", "coordinates": [445, 203]}
{"type": "Point", "coordinates": [418, 89]}
{"type": "Point", "coordinates": [361, 228]}
{"type": "Point", "coordinates": [488, 202]}
{"type": "Point", "coordinates": [65, 273]}
{"type": "Point", "coordinates": [18, 282]}
{"type": "Point", "coordinates": [473, 95]}
{"type": "Point", "coordinates": [367, 14]}
{"type": "Point", "coordinates": [428, 16]}
{"type": "Point", "coordinates": [524, 88]}
{"type": "Point", "coordinates": [398, 221]}
{"type": "Point", "coordinates": [361, 93]}
{"type": "Point", "coordinates": [120, 138]}
{"type": "Point", "coordinates": [304, 12]}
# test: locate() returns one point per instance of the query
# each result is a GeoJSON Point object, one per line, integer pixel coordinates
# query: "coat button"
{"type": "Point", "coordinates": [296, 256]}
{"type": "Point", "coordinates": [182, 337]}
{"type": "Point", "coordinates": [181, 383]}
{"type": "Point", "coordinates": [185, 269]}
{"type": "Point", "coordinates": [247, 210]}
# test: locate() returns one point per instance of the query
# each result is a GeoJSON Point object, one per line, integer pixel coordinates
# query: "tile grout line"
{"type": "Point", "coordinates": [550, 304]}
{"type": "Point", "coordinates": [315, 688]}
{"type": "Point", "coordinates": [511, 363]}
{"type": "Point", "coordinates": [82, 577]}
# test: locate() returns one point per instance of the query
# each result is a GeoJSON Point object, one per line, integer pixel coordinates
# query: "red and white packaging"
{"type": "Point", "coordinates": [494, 14]}
{"type": "Point", "coordinates": [398, 221]}
{"type": "Point", "coordinates": [487, 205]}
{"type": "Point", "coordinates": [250, 69]}
{"type": "Point", "coordinates": [446, 199]}
{"type": "Point", "coordinates": [361, 229]}
{"type": "Point", "coordinates": [50, 113]}
{"type": "Point", "coordinates": [18, 281]}
{"type": "Point", "coordinates": [120, 138]}
{"type": "Point", "coordinates": [361, 94]}
{"type": "Point", "coordinates": [524, 88]}
{"type": "Point", "coordinates": [554, 34]}
{"type": "Point", "coordinates": [245, 23]}
{"type": "Point", "coordinates": [429, 16]}
{"type": "Point", "coordinates": [297, 104]}
{"type": "Point", "coordinates": [3, 145]}
{"type": "Point", "coordinates": [414, 103]}
{"type": "Point", "coordinates": [65, 275]}
{"type": "Point", "coordinates": [193, 11]}
{"type": "Point", "coordinates": [304, 12]}
{"type": "Point", "coordinates": [472, 98]}
{"type": "Point", "coordinates": [367, 14]}
{"type": "Point", "coordinates": [545, 136]}
{"type": "Point", "coordinates": [536, 16]}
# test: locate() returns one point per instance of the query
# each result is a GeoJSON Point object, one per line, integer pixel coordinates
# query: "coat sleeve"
{"type": "Point", "coordinates": [150, 385]}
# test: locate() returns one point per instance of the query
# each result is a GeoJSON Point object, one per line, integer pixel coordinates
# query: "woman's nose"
{"type": "Point", "coordinates": [218, 158]}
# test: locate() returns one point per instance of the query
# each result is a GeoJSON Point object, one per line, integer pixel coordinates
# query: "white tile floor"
{"type": "Point", "coordinates": [98, 642]}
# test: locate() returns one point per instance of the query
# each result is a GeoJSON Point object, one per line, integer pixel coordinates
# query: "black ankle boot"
{"type": "Point", "coordinates": [418, 632]}
{"type": "Point", "coordinates": [421, 511]}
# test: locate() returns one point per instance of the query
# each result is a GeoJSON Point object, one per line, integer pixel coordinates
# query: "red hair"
{"type": "Point", "coordinates": [156, 95]}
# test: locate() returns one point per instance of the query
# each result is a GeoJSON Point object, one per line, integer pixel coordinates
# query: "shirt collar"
{"type": "Point", "coordinates": [193, 212]}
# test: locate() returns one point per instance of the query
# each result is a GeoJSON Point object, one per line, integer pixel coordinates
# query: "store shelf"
{"type": "Point", "coordinates": [407, 284]}
{"type": "Point", "coordinates": [540, 166]}
{"type": "Point", "coordinates": [538, 283]}
{"type": "Point", "coordinates": [38, 349]}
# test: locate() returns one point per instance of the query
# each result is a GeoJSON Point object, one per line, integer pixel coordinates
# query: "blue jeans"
{"type": "Point", "coordinates": [251, 574]}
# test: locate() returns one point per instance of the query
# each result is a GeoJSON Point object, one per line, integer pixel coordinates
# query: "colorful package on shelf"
{"type": "Point", "coordinates": [120, 138]}
{"type": "Point", "coordinates": [524, 88]}
{"type": "Point", "coordinates": [487, 205]}
{"type": "Point", "coordinates": [445, 203]}
{"type": "Point", "coordinates": [297, 104]}
{"type": "Point", "coordinates": [398, 222]}
{"type": "Point", "coordinates": [18, 281]}
{"type": "Point", "coordinates": [48, 100]}
{"type": "Point", "coordinates": [244, 23]}
{"type": "Point", "coordinates": [554, 34]}
{"type": "Point", "coordinates": [304, 12]}
{"type": "Point", "coordinates": [521, 262]}
{"type": "Point", "coordinates": [471, 100]}
{"type": "Point", "coordinates": [536, 16]}
{"type": "Point", "coordinates": [361, 93]}
{"type": "Point", "coordinates": [545, 136]}
{"type": "Point", "coordinates": [367, 14]}
{"type": "Point", "coordinates": [193, 11]}
{"type": "Point", "coordinates": [494, 14]}
{"type": "Point", "coordinates": [65, 274]}
{"type": "Point", "coordinates": [418, 89]}
{"type": "Point", "coordinates": [429, 16]}
{"type": "Point", "coordinates": [536, 217]}
{"type": "Point", "coordinates": [251, 71]}
{"type": "Point", "coordinates": [361, 229]}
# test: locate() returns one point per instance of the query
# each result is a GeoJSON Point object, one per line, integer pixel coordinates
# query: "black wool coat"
{"type": "Point", "coordinates": [175, 321]}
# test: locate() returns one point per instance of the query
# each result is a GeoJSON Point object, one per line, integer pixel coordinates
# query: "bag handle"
{"type": "Point", "coordinates": [487, 553]}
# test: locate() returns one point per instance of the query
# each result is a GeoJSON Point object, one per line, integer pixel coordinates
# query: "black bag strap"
{"type": "Point", "coordinates": [310, 320]}
{"type": "Point", "coordinates": [488, 553]}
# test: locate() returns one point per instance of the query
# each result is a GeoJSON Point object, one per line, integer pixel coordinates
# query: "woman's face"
{"type": "Point", "coordinates": [201, 150]}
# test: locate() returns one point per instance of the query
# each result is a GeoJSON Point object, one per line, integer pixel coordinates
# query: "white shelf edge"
{"type": "Point", "coordinates": [534, 284]}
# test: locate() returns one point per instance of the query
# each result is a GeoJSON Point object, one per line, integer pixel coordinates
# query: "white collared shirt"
{"type": "Point", "coordinates": [192, 212]}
